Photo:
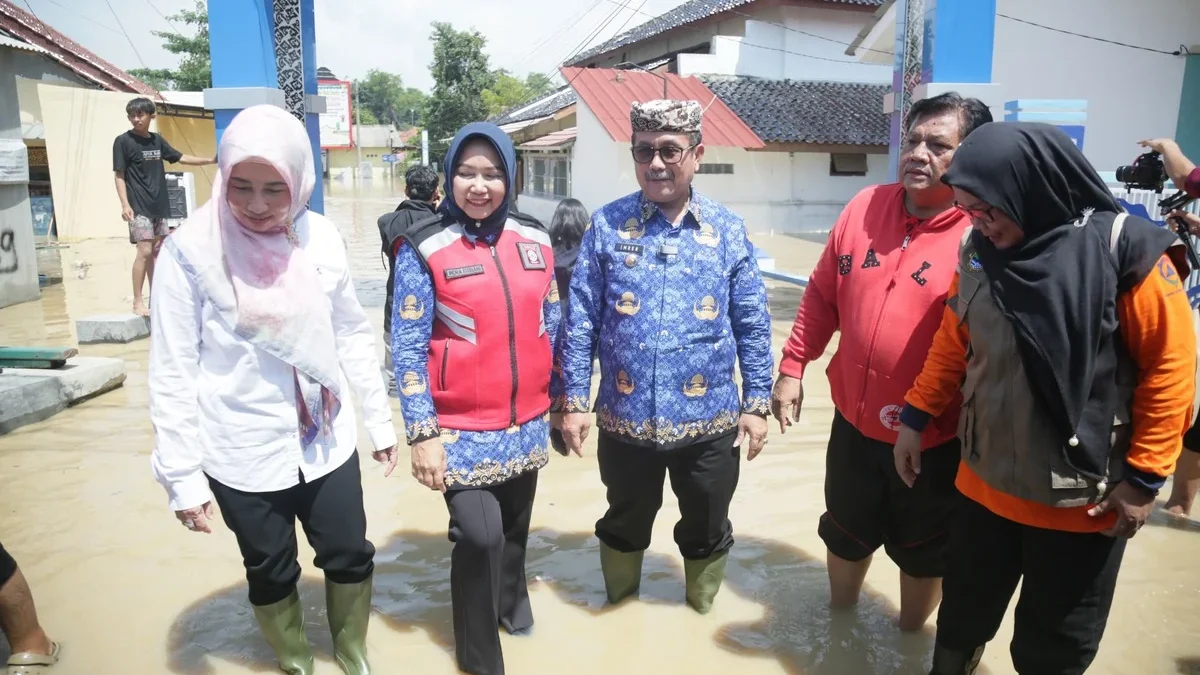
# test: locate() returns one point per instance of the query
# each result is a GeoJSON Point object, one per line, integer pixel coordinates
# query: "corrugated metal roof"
{"type": "Point", "coordinates": [538, 107]}
{"type": "Point", "coordinates": [610, 93]}
{"type": "Point", "coordinates": [552, 140]}
{"type": "Point", "coordinates": [514, 127]}
{"type": "Point", "coordinates": [789, 111]}
{"type": "Point", "coordinates": [688, 12]}
{"type": "Point", "coordinates": [6, 41]}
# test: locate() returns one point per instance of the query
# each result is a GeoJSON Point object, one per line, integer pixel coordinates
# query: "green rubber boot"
{"type": "Point", "coordinates": [704, 579]}
{"type": "Point", "coordinates": [282, 625]}
{"type": "Point", "coordinates": [622, 572]}
{"type": "Point", "coordinates": [349, 608]}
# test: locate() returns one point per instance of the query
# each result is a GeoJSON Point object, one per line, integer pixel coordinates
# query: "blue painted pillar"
{"type": "Point", "coordinates": [248, 69]}
{"type": "Point", "coordinates": [940, 45]}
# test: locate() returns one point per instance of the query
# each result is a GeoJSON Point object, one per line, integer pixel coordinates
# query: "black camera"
{"type": "Point", "coordinates": [1146, 173]}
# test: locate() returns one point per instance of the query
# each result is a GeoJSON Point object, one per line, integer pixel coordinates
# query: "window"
{"type": "Point", "coordinates": [848, 164]}
{"type": "Point", "coordinates": [716, 168]}
{"type": "Point", "coordinates": [548, 176]}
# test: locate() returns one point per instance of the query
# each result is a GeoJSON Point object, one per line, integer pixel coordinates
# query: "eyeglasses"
{"type": "Point", "coordinates": [670, 154]}
{"type": "Point", "coordinates": [980, 213]}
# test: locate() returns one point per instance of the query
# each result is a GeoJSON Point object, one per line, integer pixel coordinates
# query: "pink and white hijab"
{"type": "Point", "coordinates": [261, 284]}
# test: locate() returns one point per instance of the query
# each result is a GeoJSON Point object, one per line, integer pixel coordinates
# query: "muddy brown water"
{"type": "Point", "coordinates": [128, 590]}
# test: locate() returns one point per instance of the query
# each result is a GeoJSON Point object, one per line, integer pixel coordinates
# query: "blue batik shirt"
{"type": "Point", "coordinates": [473, 458]}
{"type": "Point", "coordinates": [670, 309]}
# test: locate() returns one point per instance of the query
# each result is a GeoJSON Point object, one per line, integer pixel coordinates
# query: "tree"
{"type": "Point", "coordinates": [460, 74]}
{"type": "Point", "coordinates": [506, 92]}
{"type": "Point", "coordinates": [195, 68]}
{"type": "Point", "coordinates": [389, 101]}
{"type": "Point", "coordinates": [538, 84]}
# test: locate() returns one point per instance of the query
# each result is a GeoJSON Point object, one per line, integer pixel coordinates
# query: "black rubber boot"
{"type": "Point", "coordinates": [948, 661]}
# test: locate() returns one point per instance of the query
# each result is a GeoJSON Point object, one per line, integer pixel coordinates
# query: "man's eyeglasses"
{"type": "Point", "coordinates": [671, 154]}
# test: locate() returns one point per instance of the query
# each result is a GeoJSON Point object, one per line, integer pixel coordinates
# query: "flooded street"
{"type": "Point", "coordinates": [130, 591]}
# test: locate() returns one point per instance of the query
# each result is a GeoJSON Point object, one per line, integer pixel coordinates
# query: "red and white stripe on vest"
{"type": "Point", "coordinates": [489, 354]}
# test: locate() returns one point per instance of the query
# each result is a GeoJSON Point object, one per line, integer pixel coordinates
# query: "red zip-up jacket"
{"type": "Point", "coordinates": [882, 281]}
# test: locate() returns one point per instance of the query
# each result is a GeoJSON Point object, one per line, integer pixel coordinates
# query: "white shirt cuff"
{"type": "Point", "coordinates": [189, 493]}
{"type": "Point", "coordinates": [383, 436]}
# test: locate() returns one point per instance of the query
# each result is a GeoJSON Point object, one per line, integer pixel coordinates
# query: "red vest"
{"type": "Point", "coordinates": [489, 355]}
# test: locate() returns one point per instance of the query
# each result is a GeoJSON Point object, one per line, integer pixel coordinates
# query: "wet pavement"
{"type": "Point", "coordinates": [129, 590]}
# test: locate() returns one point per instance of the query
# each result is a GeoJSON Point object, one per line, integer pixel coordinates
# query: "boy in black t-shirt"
{"type": "Point", "coordinates": [138, 157]}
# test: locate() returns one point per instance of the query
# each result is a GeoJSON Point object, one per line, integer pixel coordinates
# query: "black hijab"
{"type": "Point", "coordinates": [1059, 286]}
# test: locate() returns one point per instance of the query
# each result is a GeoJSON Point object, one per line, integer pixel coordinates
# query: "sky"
{"type": "Point", "coordinates": [354, 36]}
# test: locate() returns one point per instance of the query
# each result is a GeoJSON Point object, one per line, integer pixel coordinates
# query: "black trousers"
{"type": "Point", "coordinates": [703, 477]}
{"type": "Point", "coordinates": [331, 511]}
{"type": "Point", "coordinates": [489, 527]}
{"type": "Point", "coordinates": [1067, 582]}
{"type": "Point", "coordinates": [8, 566]}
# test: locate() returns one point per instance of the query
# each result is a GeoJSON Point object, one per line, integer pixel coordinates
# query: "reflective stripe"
{"type": "Point", "coordinates": [464, 333]}
{"type": "Point", "coordinates": [527, 232]}
{"type": "Point", "coordinates": [454, 316]}
{"type": "Point", "coordinates": [441, 240]}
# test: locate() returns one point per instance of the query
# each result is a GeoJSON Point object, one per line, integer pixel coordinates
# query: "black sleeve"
{"type": "Point", "coordinates": [169, 154]}
{"type": "Point", "coordinates": [118, 154]}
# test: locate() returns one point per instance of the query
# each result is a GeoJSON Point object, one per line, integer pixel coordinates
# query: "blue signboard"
{"type": "Point", "coordinates": [1075, 131]}
{"type": "Point", "coordinates": [390, 159]}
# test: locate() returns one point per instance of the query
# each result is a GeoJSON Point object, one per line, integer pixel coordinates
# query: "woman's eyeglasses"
{"type": "Point", "coordinates": [671, 154]}
{"type": "Point", "coordinates": [981, 213]}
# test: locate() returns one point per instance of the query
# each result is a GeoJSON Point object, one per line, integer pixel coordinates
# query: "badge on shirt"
{"type": "Point", "coordinates": [460, 272]}
{"type": "Point", "coordinates": [531, 255]}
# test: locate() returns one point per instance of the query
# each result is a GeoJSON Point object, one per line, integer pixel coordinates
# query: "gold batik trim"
{"type": "Point", "coordinates": [425, 427]}
{"type": "Point", "coordinates": [757, 405]}
{"type": "Point", "coordinates": [490, 472]}
{"type": "Point", "coordinates": [663, 431]}
{"type": "Point", "coordinates": [571, 404]}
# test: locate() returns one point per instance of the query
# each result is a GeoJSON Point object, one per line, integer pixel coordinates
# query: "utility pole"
{"type": "Point", "coordinates": [358, 130]}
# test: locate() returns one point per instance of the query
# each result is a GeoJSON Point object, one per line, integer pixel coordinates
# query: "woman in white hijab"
{"type": "Point", "coordinates": [257, 338]}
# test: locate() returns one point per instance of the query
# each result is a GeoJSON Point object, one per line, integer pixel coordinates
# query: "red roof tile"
{"type": "Point", "coordinates": [25, 26]}
{"type": "Point", "coordinates": [553, 139]}
{"type": "Point", "coordinates": [609, 94]}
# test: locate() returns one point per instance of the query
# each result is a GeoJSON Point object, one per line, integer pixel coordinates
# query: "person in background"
{"type": "Point", "coordinates": [141, 181]}
{"type": "Point", "coordinates": [473, 357]}
{"type": "Point", "coordinates": [421, 188]}
{"type": "Point", "coordinates": [1068, 332]}
{"type": "Point", "coordinates": [667, 286]}
{"type": "Point", "coordinates": [257, 339]}
{"type": "Point", "coordinates": [32, 650]}
{"type": "Point", "coordinates": [567, 226]}
{"type": "Point", "coordinates": [1186, 176]}
{"type": "Point", "coordinates": [882, 283]}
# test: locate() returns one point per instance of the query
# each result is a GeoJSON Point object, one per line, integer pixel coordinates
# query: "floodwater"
{"type": "Point", "coordinates": [129, 590]}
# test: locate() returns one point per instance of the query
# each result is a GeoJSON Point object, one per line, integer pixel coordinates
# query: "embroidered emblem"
{"type": "Point", "coordinates": [1167, 270]}
{"type": "Point", "coordinates": [871, 260]}
{"type": "Point", "coordinates": [628, 304]}
{"type": "Point", "coordinates": [632, 229]}
{"type": "Point", "coordinates": [707, 235]}
{"type": "Point", "coordinates": [460, 272]}
{"type": "Point", "coordinates": [411, 383]}
{"type": "Point", "coordinates": [844, 265]}
{"type": "Point", "coordinates": [553, 295]}
{"type": "Point", "coordinates": [531, 255]}
{"type": "Point", "coordinates": [448, 436]}
{"type": "Point", "coordinates": [973, 261]}
{"type": "Point", "coordinates": [695, 387]}
{"type": "Point", "coordinates": [624, 383]}
{"type": "Point", "coordinates": [890, 417]}
{"type": "Point", "coordinates": [411, 309]}
{"type": "Point", "coordinates": [706, 309]}
{"type": "Point", "coordinates": [917, 275]}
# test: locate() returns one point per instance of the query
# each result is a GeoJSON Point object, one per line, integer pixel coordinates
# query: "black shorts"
{"type": "Point", "coordinates": [8, 566]}
{"type": "Point", "coordinates": [868, 506]}
{"type": "Point", "coordinates": [1191, 439]}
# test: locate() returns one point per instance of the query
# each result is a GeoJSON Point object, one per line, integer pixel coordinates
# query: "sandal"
{"type": "Point", "coordinates": [28, 663]}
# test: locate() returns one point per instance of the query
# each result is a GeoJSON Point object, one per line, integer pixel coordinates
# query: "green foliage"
{"type": "Point", "coordinates": [461, 75]}
{"type": "Point", "coordinates": [195, 68]}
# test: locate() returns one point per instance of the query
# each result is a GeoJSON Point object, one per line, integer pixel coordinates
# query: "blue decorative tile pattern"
{"type": "Point", "coordinates": [670, 309]}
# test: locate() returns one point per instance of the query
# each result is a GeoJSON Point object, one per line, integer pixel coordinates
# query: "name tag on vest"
{"type": "Point", "coordinates": [531, 255]}
{"type": "Point", "coordinates": [460, 272]}
{"type": "Point", "coordinates": [635, 249]}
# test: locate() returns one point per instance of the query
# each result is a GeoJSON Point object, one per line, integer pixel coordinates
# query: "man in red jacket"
{"type": "Point", "coordinates": [882, 282]}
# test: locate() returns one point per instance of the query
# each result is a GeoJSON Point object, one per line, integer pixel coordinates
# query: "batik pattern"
{"type": "Point", "coordinates": [289, 55]}
{"type": "Point", "coordinates": [670, 310]}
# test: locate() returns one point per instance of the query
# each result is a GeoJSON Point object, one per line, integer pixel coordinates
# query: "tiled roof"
{"type": "Point", "coordinates": [787, 111]}
{"type": "Point", "coordinates": [610, 94]}
{"type": "Point", "coordinates": [682, 15]}
{"type": "Point", "coordinates": [539, 107]}
{"type": "Point", "coordinates": [28, 28]}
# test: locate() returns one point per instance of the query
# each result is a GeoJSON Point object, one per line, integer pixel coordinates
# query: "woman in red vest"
{"type": "Point", "coordinates": [476, 309]}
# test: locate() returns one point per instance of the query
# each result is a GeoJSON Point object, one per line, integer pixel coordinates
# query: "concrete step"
{"type": "Point", "coordinates": [28, 396]}
{"type": "Point", "coordinates": [118, 328]}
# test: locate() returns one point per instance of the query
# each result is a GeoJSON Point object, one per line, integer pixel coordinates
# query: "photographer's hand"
{"type": "Point", "coordinates": [1190, 219]}
{"type": "Point", "coordinates": [1177, 166]}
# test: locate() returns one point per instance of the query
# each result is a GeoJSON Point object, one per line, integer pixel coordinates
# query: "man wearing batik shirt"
{"type": "Point", "coordinates": [667, 286]}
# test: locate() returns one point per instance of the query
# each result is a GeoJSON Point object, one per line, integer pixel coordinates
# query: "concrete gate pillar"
{"type": "Point", "coordinates": [941, 45]}
{"type": "Point", "coordinates": [264, 51]}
